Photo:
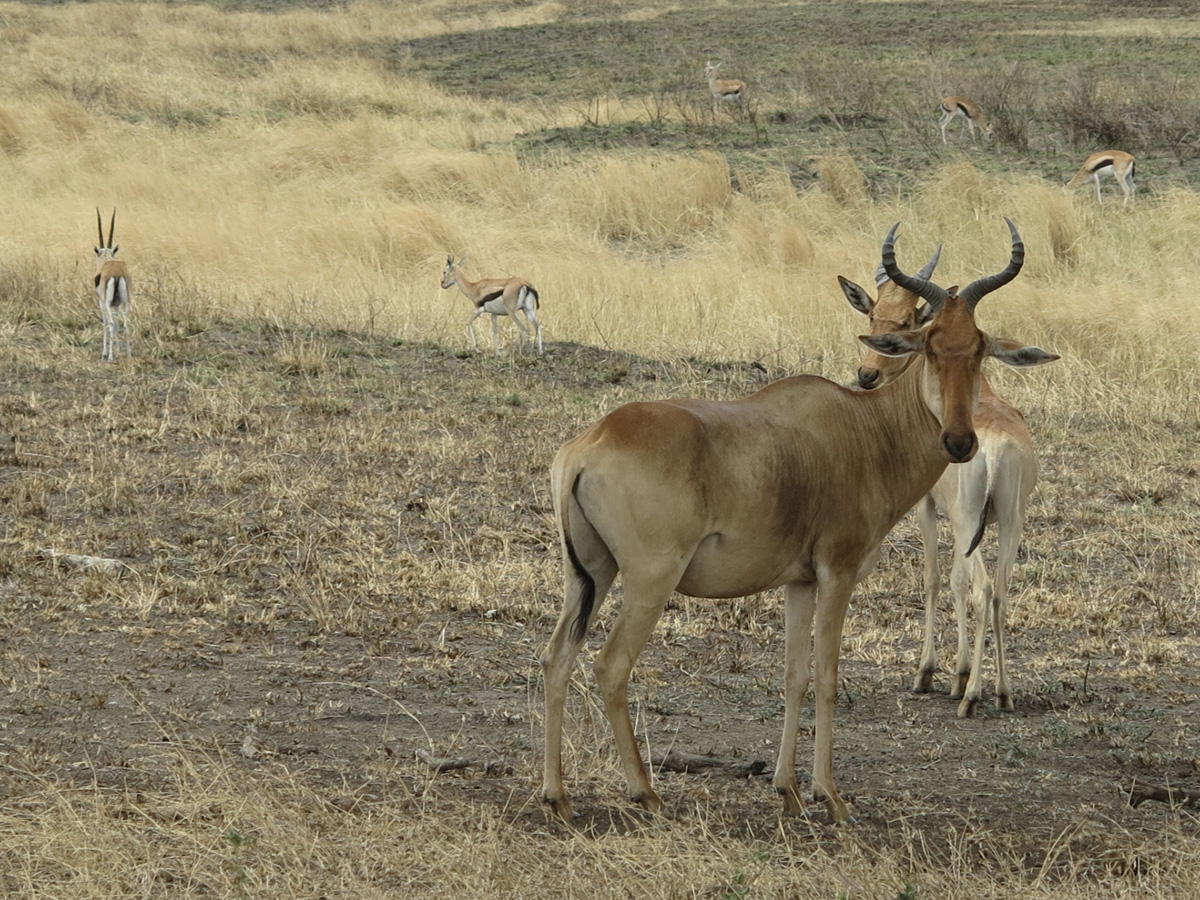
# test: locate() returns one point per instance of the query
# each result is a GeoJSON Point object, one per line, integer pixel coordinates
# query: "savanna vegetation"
{"type": "Point", "coordinates": [335, 519]}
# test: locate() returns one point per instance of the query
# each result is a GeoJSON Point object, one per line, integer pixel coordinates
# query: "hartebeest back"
{"type": "Point", "coordinates": [113, 286]}
{"type": "Point", "coordinates": [796, 485]}
{"type": "Point", "coordinates": [497, 297]}
{"type": "Point", "coordinates": [993, 487]}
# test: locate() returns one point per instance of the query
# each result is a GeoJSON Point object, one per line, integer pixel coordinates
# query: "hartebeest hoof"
{"type": "Point", "coordinates": [792, 804]}
{"type": "Point", "coordinates": [649, 801]}
{"type": "Point", "coordinates": [966, 709]}
{"type": "Point", "coordinates": [959, 688]}
{"type": "Point", "coordinates": [923, 683]}
{"type": "Point", "coordinates": [561, 807]}
{"type": "Point", "coordinates": [1004, 702]}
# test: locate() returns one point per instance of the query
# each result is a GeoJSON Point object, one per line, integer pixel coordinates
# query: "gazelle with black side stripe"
{"type": "Point", "coordinates": [725, 90]}
{"type": "Point", "coordinates": [967, 110]}
{"type": "Point", "coordinates": [496, 297]}
{"type": "Point", "coordinates": [1116, 163]}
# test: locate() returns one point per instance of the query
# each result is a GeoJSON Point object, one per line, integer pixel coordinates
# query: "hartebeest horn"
{"type": "Point", "coordinates": [977, 290]}
{"type": "Point", "coordinates": [881, 274]}
{"type": "Point", "coordinates": [932, 294]}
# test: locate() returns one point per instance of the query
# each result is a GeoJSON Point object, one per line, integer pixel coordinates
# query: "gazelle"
{"type": "Point", "coordinates": [1117, 163]}
{"type": "Point", "coordinates": [725, 90]}
{"type": "Point", "coordinates": [113, 293]}
{"type": "Point", "coordinates": [796, 485]}
{"type": "Point", "coordinates": [992, 487]}
{"type": "Point", "coordinates": [967, 110]}
{"type": "Point", "coordinates": [497, 297]}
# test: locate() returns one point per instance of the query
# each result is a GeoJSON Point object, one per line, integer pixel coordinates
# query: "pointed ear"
{"type": "Point", "coordinates": [895, 343]}
{"type": "Point", "coordinates": [858, 298]}
{"type": "Point", "coordinates": [1014, 353]}
{"type": "Point", "coordinates": [924, 314]}
{"type": "Point", "coordinates": [115, 249]}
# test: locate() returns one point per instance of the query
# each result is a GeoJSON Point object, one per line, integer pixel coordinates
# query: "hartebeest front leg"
{"type": "Point", "coordinates": [833, 597]}
{"type": "Point", "coordinates": [799, 603]}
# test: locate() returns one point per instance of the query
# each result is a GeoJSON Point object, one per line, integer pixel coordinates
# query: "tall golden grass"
{"type": "Point", "coordinates": [253, 164]}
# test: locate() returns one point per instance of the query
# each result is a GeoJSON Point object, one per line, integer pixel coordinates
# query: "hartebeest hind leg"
{"type": "Point", "coordinates": [557, 662]}
{"type": "Point", "coordinates": [799, 603]}
{"type": "Point", "coordinates": [646, 595]}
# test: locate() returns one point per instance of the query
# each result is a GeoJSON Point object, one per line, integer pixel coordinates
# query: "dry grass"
{"type": "Point", "coordinates": [338, 519]}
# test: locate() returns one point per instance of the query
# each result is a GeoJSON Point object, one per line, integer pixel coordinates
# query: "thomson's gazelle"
{"type": "Point", "coordinates": [112, 291]}
{"type": "Point", "coordinates": [497, 297]}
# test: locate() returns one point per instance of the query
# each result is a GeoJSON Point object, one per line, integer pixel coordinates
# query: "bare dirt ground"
{"type": "Point", "coordinates": [340, 556]}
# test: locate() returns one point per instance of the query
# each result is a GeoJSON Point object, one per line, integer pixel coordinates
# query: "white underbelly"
{"type": "Point", "coordinates": [495, 307]}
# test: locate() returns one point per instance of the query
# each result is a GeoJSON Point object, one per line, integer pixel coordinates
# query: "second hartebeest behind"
{"type": "Point", "coordinates": [994, 487]}
{"type": "Point", "coordinates": [794, 486]}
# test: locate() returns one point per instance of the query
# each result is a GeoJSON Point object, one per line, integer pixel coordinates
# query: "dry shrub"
{"type": "Point", "coordinates": [843, 180]}
{"type": "Point", "coordinates": [12, 135]}
{"type": "Point", "coordinates": [1093, 115]}
{"type": "Point", "coordinates": [662, 201]}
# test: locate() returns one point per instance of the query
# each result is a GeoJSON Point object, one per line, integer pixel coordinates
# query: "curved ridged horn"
{"type": "Point", "coordinates": [100, 227]}
{"type": "Point", "coordinates": [111, 227]}
{"type": "Point", "coordinates": [930, 292]}
{"type": "Point", "coordinates": [977, 290]}
{"type": "Point", "coordinates": [881, 274]}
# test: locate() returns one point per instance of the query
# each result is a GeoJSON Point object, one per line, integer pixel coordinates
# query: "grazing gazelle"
{"type": "Point", "coordinates": [1117, 163]}
{"type": "Point", "coordinates": [497, 297]}
{"type": "Point", "coordinates": [992, 487]}
{"type": "Point", "coordinates": [967, 110]}
{"type": "Point", "coordinates": [794, 486]}
{"type": "Point", "coordinates": [112, 290]}
{"type": "Point", "coordinates": [725, 90]}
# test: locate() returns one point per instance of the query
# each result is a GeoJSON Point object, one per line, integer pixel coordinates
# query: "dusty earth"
{"type": "Point", "coordinates": [341, 557]}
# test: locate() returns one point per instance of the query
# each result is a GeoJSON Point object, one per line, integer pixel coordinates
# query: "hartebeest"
{"type": "Point", "coordinates": [497, 297]}
{"type": "Point", "coordinates": [113, 286]}
{"type": "Point", "coordinates": [796, 485]}
{"type": "Point", "coordinates": [1117, 163]}
{"type": "Point", "coordinates": [967, 110]}
{"type": "Point", "coordinates": [993, 487]}
{"type": "Point", "coordinates": [725, 90]}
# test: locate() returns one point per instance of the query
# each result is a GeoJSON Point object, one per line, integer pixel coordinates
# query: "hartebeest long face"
{"type": "Point", "coordinates": [896, 309]}
{"type": "Point", "coordinates": [953, 346]}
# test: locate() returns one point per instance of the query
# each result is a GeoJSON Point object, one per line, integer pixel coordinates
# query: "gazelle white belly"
{"type": "Point", "coordinates": [495, 307]}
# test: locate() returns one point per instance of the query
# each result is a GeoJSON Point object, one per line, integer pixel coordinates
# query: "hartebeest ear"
{"type": "Point", "coordinates": [895, 343]}
{"type": "Point", "coordinates": [858, 298]}
{"type": "Point", "coordinates": [924, 314]}
{"type": "Point", "coordinates": [1014, 353]}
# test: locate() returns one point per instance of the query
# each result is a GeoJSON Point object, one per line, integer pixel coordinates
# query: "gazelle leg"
{"type": "Point", "coordinates": [537, 327]}
{"type": "Point", "coordinates": [927, 518]}
{"type": "Point", "coordinates": [471, 329]}
{"type": "Point", "coordinates": [496, 333]}
{"type": "Point", "coordinates": [799, 602]}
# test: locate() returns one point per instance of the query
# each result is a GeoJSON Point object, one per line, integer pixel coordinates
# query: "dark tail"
{"type": "Point", "coordinates": [587, 597]}
{"type": "Point", "coordinates": [983, 517]}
